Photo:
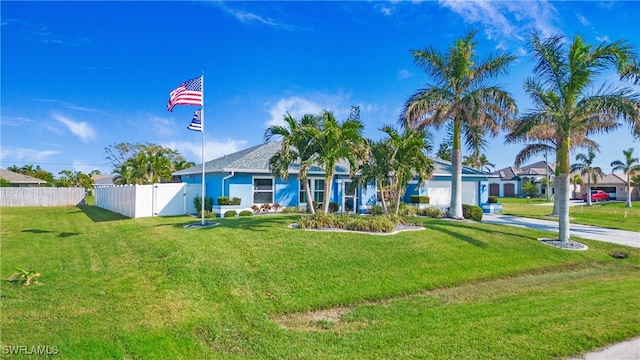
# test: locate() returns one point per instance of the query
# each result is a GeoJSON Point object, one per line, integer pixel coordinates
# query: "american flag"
{"type": "Point", "coordinates": [188, 93]}
{"type": "Point", "coordinates": [196, 122]}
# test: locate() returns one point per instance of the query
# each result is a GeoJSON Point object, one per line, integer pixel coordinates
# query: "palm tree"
{"type": "Point", "coordinates": [408, 158]}
{"type": "Point", "coordinates": [586, 168]}
{"type": "Point", "coordinates": [460, 96]}
{"type": "Point", "coordinates": [635, 180]}
{"type": "Point", "coordinates": [297, 145]}
{"type": "Point", "coordinates": [333, 142]}
{"type": "Point", "coordinates": [561, 90]}
{"type": "Point", "coordinates": [629, 166]}
{"type": "Point", "coordinates": [376, 167]}
{"type": "Point", "coordinates": [477, 161]}
{"type": "Point", "coordinates": [576, 180]}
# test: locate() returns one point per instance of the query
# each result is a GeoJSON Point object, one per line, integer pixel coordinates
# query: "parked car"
{"type": "Point", "coordinates": [596, 195]}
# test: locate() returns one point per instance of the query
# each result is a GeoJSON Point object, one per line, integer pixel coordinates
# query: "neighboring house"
{"type": "Point", "coordinates": [102, 180]}
{"type": "Point", "coordinates": [612, 184]}
{"type": "Point", "coordinates": [509, 180]}
{"type": "Point", "coordinates": [246, 175]}
{"type": "Point", "coordinates": [20, 180]}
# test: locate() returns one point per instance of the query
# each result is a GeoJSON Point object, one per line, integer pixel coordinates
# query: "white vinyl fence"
{"type": "Point", "coordinates": [148, 200]}
{"type": "Point", "coordinates": [41, 196]}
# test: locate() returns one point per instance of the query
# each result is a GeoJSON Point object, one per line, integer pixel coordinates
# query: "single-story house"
{"type": "Point", "coordinates": [245, 174]}
{"type": "Point", "coordinates": [613, 184]}
{"type": "Point", "coordinates": [20, 180]}
{"type": "Point", "coordinates": [509, 180]}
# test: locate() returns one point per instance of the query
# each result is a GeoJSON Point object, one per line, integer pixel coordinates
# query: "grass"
{"type": "Point", "coordinates": [605, 214]}
{"type": "Point", "coordinates": [113, 287]}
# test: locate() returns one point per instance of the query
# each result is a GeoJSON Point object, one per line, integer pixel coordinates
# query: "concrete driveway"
{"type": "Point", "coordinates": [622, 237]}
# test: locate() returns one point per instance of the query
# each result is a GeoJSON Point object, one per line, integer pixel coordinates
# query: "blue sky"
{"type": "Point", "coordinates": [80, 76]}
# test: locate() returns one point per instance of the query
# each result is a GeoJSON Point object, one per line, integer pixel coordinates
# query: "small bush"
{"type": "Point", "coordinates": [207, 214]}
{"type": "Point", "coordinates": [472, 212]}
{"type": "Point", "coordinates": [230, 213]}
{"type": "Point", "coordinates": [376, 210]}
{"type": "Point", "coordinates": [276, 207]}
{"type": "Point", "coordinates": [432, 212]}
{"type": "Point", "coordinates": [236, 201]}
{"type": "Point", "coordinates": [405, 210]}
{"type": "Point", "coordinates": [293, 210]}
{"type": "Point", "coordinates": [223, 200]}
{"type": "Point", "coordinates": [246, 213]}
{"type": "Point", "coordinates": [208, 203]}
{"type": "Point", "coordinates": [255, 208]}
{"type": "Point", "coordinates": [265, 207]}
{"type": "Point", "coordinates": [356, 223]}
{"type": "Point", "coordinates": [334, 207]}
{"type": "Point", "coordinates": [419, 199]}
{"type": "Point", "coordinates": [493, 199]}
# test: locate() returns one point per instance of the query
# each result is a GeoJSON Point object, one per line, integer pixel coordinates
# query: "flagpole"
{"type": "Point", "coordinates": [202, 124]}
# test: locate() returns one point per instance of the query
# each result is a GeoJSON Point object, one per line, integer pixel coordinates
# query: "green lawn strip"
{"type": "Point", "coordinates": [149, 288]}
{"type": "Point", "coordinates": [612, 215]}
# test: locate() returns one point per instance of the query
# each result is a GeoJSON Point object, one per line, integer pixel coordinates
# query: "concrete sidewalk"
{"type": "Point", "coordinates": [622, 237]}
{"type": "Point", "coordinates": [628, 350]}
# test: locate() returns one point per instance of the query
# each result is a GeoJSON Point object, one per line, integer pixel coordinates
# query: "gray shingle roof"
{"type": "Point", "coordinates": [252, 160]}
{"type": "Point", "coordinates": [16, 178]}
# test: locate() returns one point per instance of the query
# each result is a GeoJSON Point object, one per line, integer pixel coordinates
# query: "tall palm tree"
{"type": "Point", "coordinates": [460, 95]}
{"type": "Point", "coordinates": [561, 90]}
{"type": "Point", "coordinates": [477, 161]}
{"type": "Point", "coordinates": [297, 145]}
{"type": "Point", "coordinates": [376, 167]}
{"type": "Point", "coordinates": [335, 141]}
{"type": "Point", "coordinates": [628, 166]}
{"type": "Point", "coordinates": [409, 157]}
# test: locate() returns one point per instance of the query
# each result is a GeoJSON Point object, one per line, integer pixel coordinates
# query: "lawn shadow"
{"type": "Point", "coordinates": [251, 223]}
{"type": "Point", "coordinates": [446, 227]}
{"type": "Point", "coordinates": [38, 231]}
{"type": "Point", "coordinates": [97, 214]}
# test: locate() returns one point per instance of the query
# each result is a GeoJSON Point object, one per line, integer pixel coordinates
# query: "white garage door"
{"type": "Point", "coordinates": [470, 192]}
{"type": "Point", "coordinates": [440, 192]}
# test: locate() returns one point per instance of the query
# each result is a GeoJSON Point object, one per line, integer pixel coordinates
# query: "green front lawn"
{"type": "Point", "coordinates": [113, 287]}
{"type": "Point", "coordinates": [605, 214]}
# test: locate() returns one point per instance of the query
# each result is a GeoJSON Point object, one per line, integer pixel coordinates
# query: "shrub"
{"type": "Point", "coordinates": [333, 207]}
{"type": "Point", "coordinates": [265, 207]}
{"type": "Point", "coordinates": [293, 210]}
{"type": "Point", "coordinates": [230, 213]}
{"type": "Point", "coordinates": [357, 223]}
{"type": "Point", "coordinates": [432, 212]}
{"type": "Point", "coordinates": [419, 199]}
{"type": "Point", "coordinates": [376, 210]}
{"type": "Point", "coordinates": [197, 203]}
{"type": "Point", "coordinates": [493, 199]}
{"type": "Point", "coordinates": [255, 208]}
{"type": "Point", "coordinates": [530, 189]}
{"type": "Point", "coordinates": [405, 210]}
{"type": "Point", "coordinates": [236, 201]}
{"type": "Point", "coordinates": [472, 212]}
{"type": "Point", "coordinates": [223, 200]}
{"type": "Point", "coordinates": [207, 214]}
{"type": "Point", "coordinates": [246, 213]}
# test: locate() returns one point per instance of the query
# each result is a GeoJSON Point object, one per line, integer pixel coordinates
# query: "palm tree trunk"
{"type": "Point", "coordinates": [328, 180]}
{"type": "Point", "coordinates": [562, 197]}
{"type": "Point", "coordinates": [628, 189]}
{"type": "Point", "coordinates": [384, 204]}
{"type": "Point", "coordinates": [455, 210]}
{"type": "Point", "coordinates": [588, 189]}
{"type": "Point", "coordinates": [398, 188]}
{"type": "Point", "coordinates": [307, 191]}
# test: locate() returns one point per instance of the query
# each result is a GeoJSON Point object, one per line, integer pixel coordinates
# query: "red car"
{"type": "Point", "coordinates": [596, 195]}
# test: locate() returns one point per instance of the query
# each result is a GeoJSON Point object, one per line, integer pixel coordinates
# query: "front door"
{"type": "Point", "coordinates": [349, 199]}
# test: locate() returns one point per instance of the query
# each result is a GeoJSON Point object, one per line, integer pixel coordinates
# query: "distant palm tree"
{"type": "Point", "coordinates": [628, 166]}
{"type": "Point", "coordinates": [586, 168]}
{"type": "Point", "coordinates": [409, 157]}
{"type": "Point", "coordinates": [561, 90]}
{"type": "Point", "coordinates": [576, 180]}
{"type": "Point", "coordinates": [335, 141]}
{"type": "Point", "coordinates": [297, 145]}
{"type": "Point", "coordinates": [460, 95]}
{"type": "Point", "coordinates": [635, 180]}
{"type": "Point", "coordinates": [477, 161]}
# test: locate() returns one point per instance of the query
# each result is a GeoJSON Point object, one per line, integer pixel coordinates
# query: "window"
{"type": "Point", "coordinates": [262, 190]}
{"type": "Point", "coordinates": [317, 191]}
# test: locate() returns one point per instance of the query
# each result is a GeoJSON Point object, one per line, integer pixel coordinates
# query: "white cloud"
{"type": "Point", "coordinates": [81, 129]}
{"type": "Point", "coordinates": [403, 74]}
{"type": "Point", "coordinates": [295, 105]}
{"type": "Point", "coordinates": [163, 126]}
{"type": "Point", "coordinates": [24, 155]}
{"type": "Point", "coordinates": [14, 121]}
{"type": "Point", "coordinates": [507, 21]}
{"type": "Point", "coordinates": [603, 38]}
{"type": "Point", "coordinates": [583, 20]}
{"type": "Point", "coordinates": [213, 148]}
